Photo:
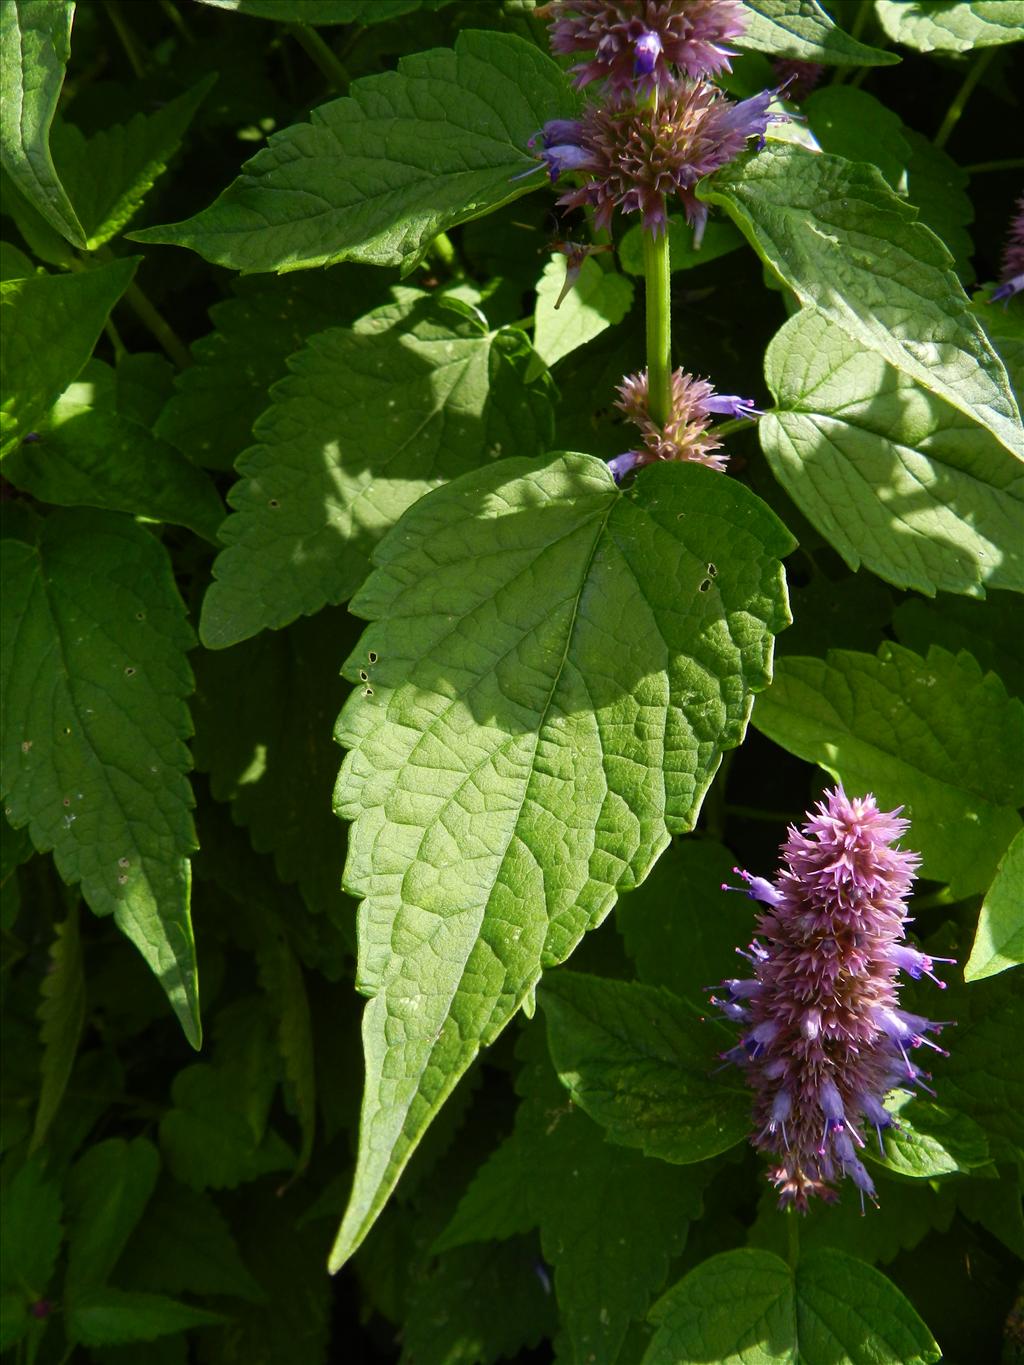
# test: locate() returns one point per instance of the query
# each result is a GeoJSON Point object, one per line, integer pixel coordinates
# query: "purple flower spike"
{"type": "Point", "coordinates": [626, 39]}
{"type": "Point", "coordinates": [637, 158]}
{"type": "Point", "coordinates": [728, 405]}
{"type": "Point", "coordinates": [1012, 277]}
{"type": "Point", "coordinates": [825, 1039]}
{"type": "Point", "coordinates": [685, 435]}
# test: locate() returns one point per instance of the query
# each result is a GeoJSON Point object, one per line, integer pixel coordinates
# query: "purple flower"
{"type": "Point", "coordinates": [635, 157]}
{"type": "Point", "coordinates": [640, 41]}
{"type": "Point", "coordinates": [799, 78]}
{"type": "Point", "coordinates": [685, 436]}
{"type": "Point", "coordinates": [1012, 276]}
{"type": "Point", "coordinates": [825, 1039]}
{"type": "Point", "coordinates": [575, 254]}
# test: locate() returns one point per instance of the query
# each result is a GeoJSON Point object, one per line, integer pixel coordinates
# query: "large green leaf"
{"type": "Point", "coordinates": [609, 1253]}
{"type": "Point", "coordinates": [62, 1014]}
{"type": "Point", "coordinates": [999, 941]}
{"type": "Point", "coordinates": [850, 247]}
{"type": "Point", "coordinates": [553, 674]}
{"type": "Point", "coordinates": [218, 398]}
{"type": "Point", "coordinates": [641, 1063]}
{"type": "Point", "coordinates": [89, 455]}
{"type": "Point", "coordinates": [35, 43]}
{"type": "Point", "coordinates": [50, 325]}
{"type": "Point", "coordinates": [951, 25]}
{"type": "Point", "coordinates": [993, 631]}
{"type": "Point", "coordinates": [751, 1308]}
{"type": "Point", "coordinates": [935, 735]}
{"type": "Point", "coordinates": [108, 174]}
{"type": "Point", "coordinates": [802, 30]}
{"type": "Point", "coordinates": [893, 476]}
{"type": "Point", "coordinates": [377, 175]}
{"type": "Point", "coordinates": [95, 722]}
{"type": "Point", "coordinates": [369, 420]}
{"type": "Point", "coordinates": [115, 1317]}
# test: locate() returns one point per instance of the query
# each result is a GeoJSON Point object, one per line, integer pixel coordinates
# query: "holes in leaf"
{"type": "Point", "coordinates": [372, 656]}
{"type": "Point", "coordinates": [713, 570]}
{"type": "Point", "coordinates": [273, 503]}
{"type": "Point", "coordinates": [704, 584]}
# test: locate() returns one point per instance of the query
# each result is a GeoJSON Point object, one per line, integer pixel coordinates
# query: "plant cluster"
{"type": "Point", "coordinates": [600, 420]}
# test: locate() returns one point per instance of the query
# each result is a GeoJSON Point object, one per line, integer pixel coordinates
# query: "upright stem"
{"type": "Point", "coordinates": [318, 51]}
{"type": "Point", "coordinates": [658, 280]}
{"type": "Point", "coordinates": [443, 249]}
{"type": "Point", "coordinates": [961, 97]}
{"type": "Point", "coordinates": [659, 327]}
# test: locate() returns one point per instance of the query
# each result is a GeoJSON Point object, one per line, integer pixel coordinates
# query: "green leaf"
{"type": "Point", "coordinates": [143, 382]}
{"type": "Point", "coordinates": [218, 398]}
{"type": "Point", "coordinates": [720, 237]}
{"type": "Point", "coordinates": [184, 1246]}
{"type": "Point", "coordinates": [951, 25]}
{"type": "Point", "coordinates": [894, 477]}
{"type": "Point", "coordinates": [996, 1205]}
{"type": "Point", "coordinates": [749, 1308]}
{"type": "Point", "coordinates": [50, 325]}
{"type": "Point", "coordinates": [931, 1140]}
{"type": "Point", "coordinates": [999, 940]}
{"type": "Point", "coordinates": [848, 246]}
{"type": "Point", "coordinates": [933, 735]}
{"type": "Point", "coordinates": [369, 420]}
{"type": "Point", "coordinates": [609, 1253]}
{"type": "Point", "coordinates": [62, 1014]}
{"type": "Point", "coordinates": [851, 123]}
{"type": "Point", "coordinates": [282, 979]}
{"type": "Point", "coordinates": [641, 1062]}
{"type": "Point", "coordinates": [802, 30]}
{"type": "Point", "coordinates": [526, 764]}
{"type": "Point", "coordinates": [377, 175]}
{"type": "Point", "coordinates": [599, 299]}
{"type": "Point", "coordinates": [982, 1076]}
{"type": "Point", "coordinates": [88, 455]}
{"type": "Point", "coordinates": [481, 1304]}
{"type": "Point", "coordinates": [35, 44]}
{"type": "Point", "coordinates": [114, 1317]}
{"type": "Point", "coordinates": [94, 759]}
{"type": "Point", "coordinates": [107, 1193]}
{"type": "Point", "coordinates": [938, 188]}
{"type": "Point", "coordinates": [14, 264]}
{"type": "Point", "coordinates": [108, 175]}
{"type": "Point", "coordinates": [993, 631]}
{"type": "Point", "coordinates": [30, 1213]}
{"type": "Point", "coordinates": [264, 711]}
{"type": "Point", "coordinates": [1004, 326]}
{"type": "Point", "coordinates": [680, 928]}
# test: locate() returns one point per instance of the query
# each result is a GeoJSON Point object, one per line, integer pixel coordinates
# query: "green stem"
{"type": "Point", "coordinates": [734, 424]}
{"type": "Point", "coordinates": [860, 18]}
{"type": "Point", "coordinates": [319, 53]}
{"type": "Point", "coordinates": [127, 38]}
{"type": "Point", "coordinates": [114, 337]}
{"type": "Point", "coordinates": [1015, 163]}
{"type": "Point", "coordinates": [158, 326]}
{"type": "Point", "coordinates": [792, 1238]}
{"type": "Point", "coordinates": [657, 277]}
{"type": "Point", "coordinates": [961, 97]}
{"type": "Point", "coordinates": [171, 10]}
{"type": "Point", "coordinates": [443, 250]}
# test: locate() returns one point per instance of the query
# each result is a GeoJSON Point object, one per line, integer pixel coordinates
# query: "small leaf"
{"type": "Point", "coordinates": [642, 1064]}
{"type": "Point", "coordinates": [31, 1206]}
{"type": "Point", "coordinates": [933, 735]}
{"type": "Point", "coordinates": [802, 30]}
{"type": "Point", "coordinates": [1004, 326]}
{"type": "Point", "coordinates": [35, 44]}
{"type": "Point", "coordinates": [850, 247]}
{"type": "Point", "coordinates": [50, 325]}
{"type": "Point", "coordinates": [746, 1307]}
{"type": "Point", "coordinates": [993, 631]}
{"type": "Point", "coordinates": [930, 1139]}
{"type": "Point", "coordinates": [369, 420]}
{"type": "Point", "coordinates": [88, 455]}
{"type": "Point", "coordinates": [938, 188]}
{"type": "Point", "coordinates": [94, 758]}
{"type": "Point", "coordinates": [62, 1014]}
{"type": "Point", "coordinates": [556, 668]}
{"type": "Point", "coordinates": [954, 25]}
{"type": "Point", "coordinates": [108, 174]}
{"type": "Point", "coordinates": [114, 1317]}
{"type": "Point", "coordinates": [107, 1193]}
{"type": "Point", "coordinates": [599, 299]}
{"type": "Point", "coordinates": [890, 474]}
{"type": "Point", "coordinates": [377, 175]}
{"type": "Point", "coordinates": [999, 941]}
